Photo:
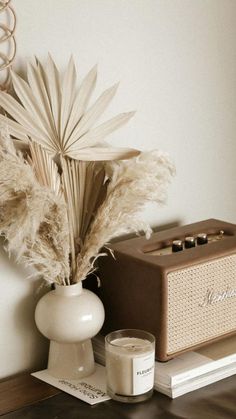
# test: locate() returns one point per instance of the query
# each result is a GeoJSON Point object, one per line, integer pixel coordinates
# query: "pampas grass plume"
{"type": "Point", "coordinates": [33, 219]}
{"type": "Point", "coordinates": [133, 184]}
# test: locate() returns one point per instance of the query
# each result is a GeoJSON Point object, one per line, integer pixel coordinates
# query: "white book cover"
{"type": "Point", "coordinates": [196, 363]}
{"type": "Point", "coordinates": [197, 382]}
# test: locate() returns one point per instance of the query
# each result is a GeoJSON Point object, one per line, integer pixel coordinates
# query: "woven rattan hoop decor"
{"type": "Point", "coordinates": [8, 36]}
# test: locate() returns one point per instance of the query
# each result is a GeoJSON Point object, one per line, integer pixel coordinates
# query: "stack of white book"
{"type": "Point", "coordinates": [189, 371]}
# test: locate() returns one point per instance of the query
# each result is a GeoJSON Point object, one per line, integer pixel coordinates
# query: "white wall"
{"type": "Point", "coordinates": [176, 60]}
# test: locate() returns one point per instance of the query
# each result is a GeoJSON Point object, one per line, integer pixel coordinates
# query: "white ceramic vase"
{"type": "Point", "coordinates": [70, 316]}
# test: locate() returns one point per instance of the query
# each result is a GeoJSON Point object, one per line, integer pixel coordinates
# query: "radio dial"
{"type": "Point", "coordinates": [177, 246]}
{"type": "Point", "coordinates": [202, 238]}
{"type": "Point", "coordinates": [189, 242]}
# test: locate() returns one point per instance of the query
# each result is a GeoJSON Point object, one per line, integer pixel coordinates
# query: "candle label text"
{"type": "Point", "coordinates": [143, 373]}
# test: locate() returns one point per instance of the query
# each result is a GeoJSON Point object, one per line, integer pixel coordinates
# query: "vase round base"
{"type": "Point", "coordinates": [71, 360]}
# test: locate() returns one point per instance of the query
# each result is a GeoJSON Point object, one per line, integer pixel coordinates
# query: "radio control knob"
{"type": "Point", "coordinates": [189, 242]}
{"type": "Point", "coordinates": [177, 246]}
{"type": "Point", "coordinates": [202, 238]}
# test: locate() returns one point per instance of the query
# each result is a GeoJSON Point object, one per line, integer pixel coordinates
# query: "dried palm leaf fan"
{"type": "Point", "coordinates": [56, 116]}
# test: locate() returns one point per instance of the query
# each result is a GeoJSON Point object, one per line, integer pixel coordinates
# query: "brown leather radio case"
{"type": "Point", "coordinates": [186, 299]}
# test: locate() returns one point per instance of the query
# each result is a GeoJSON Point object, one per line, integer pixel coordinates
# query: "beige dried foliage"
{"type": "Point", "coordinates": [67, 194]}
{"type": "Point", "coordinates": [57, 128]}
{"type": "Point", "coordinates": [32, 218]}
{"type": "Point", "coordinates": [132, 184]}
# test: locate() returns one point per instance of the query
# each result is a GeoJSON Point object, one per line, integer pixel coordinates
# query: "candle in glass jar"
{"type": "Point", "coordinates": [129, 363]}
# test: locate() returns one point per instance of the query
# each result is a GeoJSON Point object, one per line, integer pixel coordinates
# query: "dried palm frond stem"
{"type": "Point", "coordinates": [45, 168]}
{"type": "Point", "coordinates": [84, 187]}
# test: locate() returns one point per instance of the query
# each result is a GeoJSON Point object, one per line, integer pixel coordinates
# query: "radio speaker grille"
{"type": "Point", "coordinates": [201, 303]}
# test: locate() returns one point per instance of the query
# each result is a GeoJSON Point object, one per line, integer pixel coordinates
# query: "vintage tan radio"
{"type": "Point", "coordinates": [180, 285]}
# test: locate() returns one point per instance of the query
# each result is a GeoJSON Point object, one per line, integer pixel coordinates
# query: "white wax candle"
{"type": "Point", "coordinates": [130, 366]}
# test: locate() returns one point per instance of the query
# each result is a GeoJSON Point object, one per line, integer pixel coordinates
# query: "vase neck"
{"type": "Point", "coordinates": [73, 289]}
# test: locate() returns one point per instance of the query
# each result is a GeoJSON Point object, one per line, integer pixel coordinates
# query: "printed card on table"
{"type": "Point", "coordinates": [90, 389]}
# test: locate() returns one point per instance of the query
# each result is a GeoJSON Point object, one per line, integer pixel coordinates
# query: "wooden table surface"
{"type": "Point", "coordinates": [27, 397]}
